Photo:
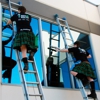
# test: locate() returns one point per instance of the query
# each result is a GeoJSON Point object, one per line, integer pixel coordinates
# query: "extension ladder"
{"type": "Point", "coordinates": [69, 57]}
{"type": "Point", "coordinates": [22, 72]}
{"type": "Point", "coordinates": [57, 40]}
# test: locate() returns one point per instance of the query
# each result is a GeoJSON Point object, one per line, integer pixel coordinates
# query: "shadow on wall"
{"type": "Point", "coordinates": [7, 62]}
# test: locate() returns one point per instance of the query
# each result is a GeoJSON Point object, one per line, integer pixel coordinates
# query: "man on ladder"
{"type": "Point", "coordinates": [24, 39]}
{"type": "Point", "coordinates": [82, 70]}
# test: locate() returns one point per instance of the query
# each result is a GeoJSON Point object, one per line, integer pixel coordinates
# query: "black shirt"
{"type": "Point", "coordinates": [22, 22]}
{"type": "Point", "coordinates": [79, 53]}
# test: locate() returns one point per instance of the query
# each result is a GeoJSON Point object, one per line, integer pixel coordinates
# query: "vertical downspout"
{"type": "Point", "coordinates": [42, 53]}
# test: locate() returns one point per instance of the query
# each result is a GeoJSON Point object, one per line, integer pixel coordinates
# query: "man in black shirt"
{"type": "Point", "coordinates": [82, 70]}
{"type": "Point", "coordinates": [25, 38]}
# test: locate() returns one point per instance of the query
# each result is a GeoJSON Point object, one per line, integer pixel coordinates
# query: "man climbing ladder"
{"type": "Point", "coordinates": [81, 56]}
{"type": "Point", "coordinates": [24, 39]}
{"type": "Point", "coordinates": [24, 42]}
{"type": "Point", "coordinates": [83, 70]}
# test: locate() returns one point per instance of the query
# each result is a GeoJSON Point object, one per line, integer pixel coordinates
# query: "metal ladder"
{"type": "Point", "coordinates": [52, 38]}
{"type": "Point", "coordinates": [69, 57]}
{"type": "Point", "coordinates": [22, 73]}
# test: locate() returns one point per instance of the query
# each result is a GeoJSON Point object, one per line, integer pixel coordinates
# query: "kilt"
{"type": "Point", "coordinates": [25, 38]}
{"type": "Point", "coordinates": [84, 68]}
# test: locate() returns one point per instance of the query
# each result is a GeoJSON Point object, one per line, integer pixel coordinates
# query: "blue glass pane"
{"type": "Point", "coordinates": [55, 27]}
{"type": "Point", "coordinates": [46, 26]}
{"type": "Point", "coordinates": [34, 25]}
{"type": "Point", "coordinates": [66, 75]}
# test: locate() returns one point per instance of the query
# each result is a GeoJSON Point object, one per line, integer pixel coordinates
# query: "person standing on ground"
{"type": "Point", "coordinates": [24, 39]}
{"type": "Point", "coordinates": [83, 70]}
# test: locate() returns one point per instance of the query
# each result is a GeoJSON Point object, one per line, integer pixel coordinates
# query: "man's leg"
{"type": "Point", "coordinates": [24, 57]}
{"type": "Point", "coordinates": [80, 76]}
{"type": "Point", "coordinates": [92, 90]}
{"type": "Point", "coordinates": [31, 54]}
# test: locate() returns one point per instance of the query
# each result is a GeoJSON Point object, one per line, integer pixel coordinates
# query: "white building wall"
{"type": "Point", "coordinates": [95, 41]}
{"type": "Point", "coordinates": [11, 92]}
{"type": "Point", "coordinates": [79, 8]}
{"type": "Point", "coordinates": [92, 13]}
{"type": "Point", "coordinates": [99, 9]}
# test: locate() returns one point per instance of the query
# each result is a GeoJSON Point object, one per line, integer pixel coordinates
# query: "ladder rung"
{"type": "Point", "coordinates": [55, 39]}
{"type": "Point", "coordinates": [30, 71]}
{"type": "Point", "coordinates": [35, 94]}
{"type": "Point", "coordinates": [31, 61]}
{"type": "Point", "coordinates": [14, 3]}
{"type": "Point", "coordinates": [32, 83]}
{"type": "Point", "coordinates": [54, 56]}
{"type": "Point", "coordinates": [65, 32]}
{"type": "Point", "coordinates": [61, 19]}
{"type": "Point", "coordinates": [69, 39]}
{"type": "Point", "coordinates": [55, 35]}
{"type": "Point", "coordinates": [55, 31]}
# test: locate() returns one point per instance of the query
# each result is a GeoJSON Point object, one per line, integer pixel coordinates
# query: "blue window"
{"type": "Point", "coordinates": [50, 34]}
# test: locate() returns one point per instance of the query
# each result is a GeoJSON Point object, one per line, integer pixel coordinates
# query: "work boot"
{"type": "Point", "coordinates": [25, 67]}
{"type": "Point", "coordinates": [25, 63]}
{"type": "Point", "coordinates": [31, 54]}
{"type": "Point", "coordinates": [93, 93]}
{"type": "Point", "coordinates": [31, 59]}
